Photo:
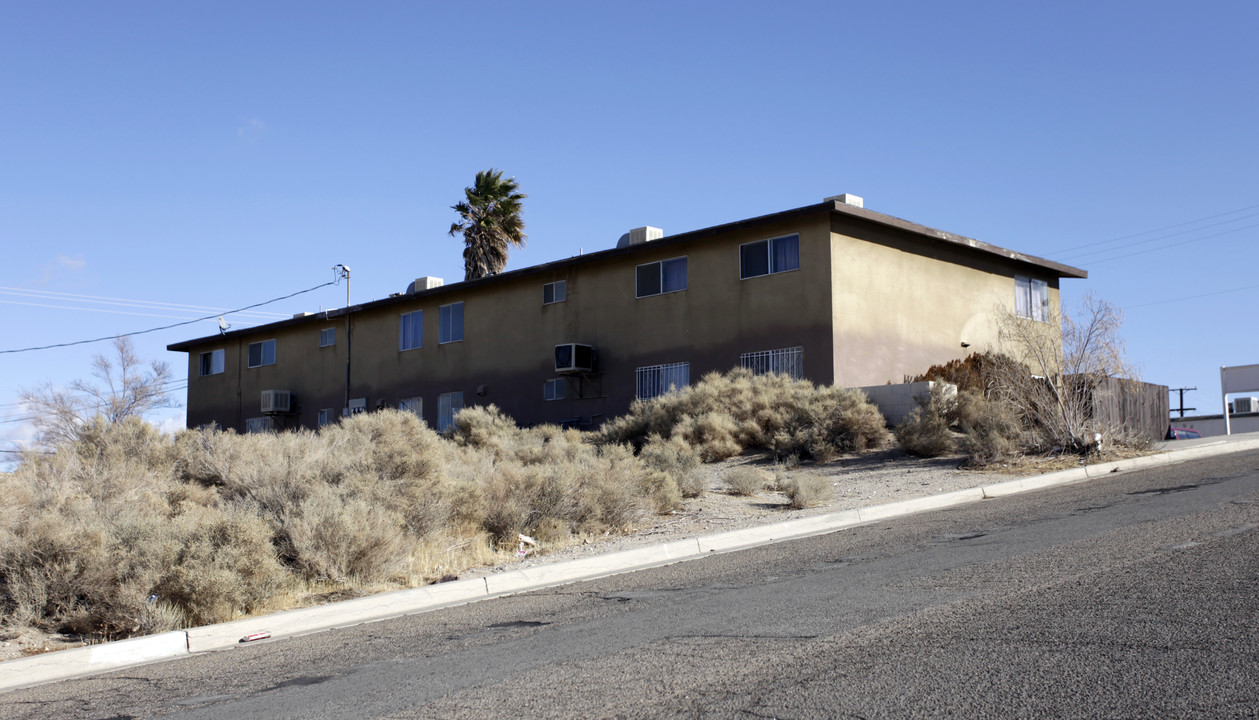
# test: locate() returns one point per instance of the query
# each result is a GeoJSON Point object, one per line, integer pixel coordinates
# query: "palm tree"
{"type": "Point", "coordinates": [490, 221]}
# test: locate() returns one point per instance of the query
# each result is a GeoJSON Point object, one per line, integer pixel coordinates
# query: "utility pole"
{"type": "Point", "coordinates": [344, 272]}
{"type": "Point", "coordinates": [1182, 407]}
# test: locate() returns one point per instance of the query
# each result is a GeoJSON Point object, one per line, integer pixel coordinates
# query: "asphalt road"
{"type": "Point", "coordinates": [1132, 596]}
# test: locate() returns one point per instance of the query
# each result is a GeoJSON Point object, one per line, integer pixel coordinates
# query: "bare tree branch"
{"type": "Point", "coordinates": [126, 388]}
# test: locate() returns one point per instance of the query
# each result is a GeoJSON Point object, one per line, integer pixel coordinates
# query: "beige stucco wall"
{"type": "Point", "coordinates": [902, 304]}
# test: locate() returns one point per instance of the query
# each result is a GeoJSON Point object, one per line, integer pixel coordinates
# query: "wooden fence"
{"type": "Point", "coordinates": [1138, 407]}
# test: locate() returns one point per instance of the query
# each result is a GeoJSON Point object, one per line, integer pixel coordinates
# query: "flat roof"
{"type": "Point", "coordinates": [832, 206]}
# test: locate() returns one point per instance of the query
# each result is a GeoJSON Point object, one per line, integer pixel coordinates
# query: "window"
{"type": "Point", "coordinates": [411, 330]}
{"type": "Point", "coordinates": [448, 405]}
{"type": "Point", "coordinates": [262, 424]}
{"type": "Point", "coordinates": [1031, 298]}
{"type": "Point", "coordinates": [656, 380]}
{"type": "Point", "coordinates": [767, 257]}
{"type": "Point", "coordinates": [325, 417]}
{"type": "Point", "coordinates": [787, 361]}
{"type": "Point", "coordinates": [554, 292]}
{"type": "Point", "coordinates": [212, 362]}
{"type": "Point", "coordinates": [413, 405]}
{"type": "Point", "coordinates": [261, 353]}
{"type": "Point", "coordinates": [665, 276]}
{"type": "Point", "coordinates": [554, 389]}
{"type": "Point", "coordinates": [327, 337]}
{"type": "Point", "coordinates": [450, 327]}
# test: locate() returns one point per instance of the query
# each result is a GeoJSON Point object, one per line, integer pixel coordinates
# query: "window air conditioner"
{"type": "Point", "coordinates": [276, 401]}
{"type": "Point", "coordinates": [1245, 405]}
{"type": "Point", "coordinates": [356, 406]}
{"type": "Point", "coordinates": [574, 358]}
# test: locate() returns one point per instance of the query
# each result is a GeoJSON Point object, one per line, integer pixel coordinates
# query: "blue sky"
{"type": "Point", "coordinates": [220, 156]}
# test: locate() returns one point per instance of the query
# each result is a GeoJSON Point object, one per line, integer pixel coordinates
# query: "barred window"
{"type": "Point", "coordinates": [787, 361]}
{"type": "Point", "coordinates": [262, 424]}
{"type": "Point", "coordinates": [414, 405]}
{"type": "Point", "coordinates": [656, 380]}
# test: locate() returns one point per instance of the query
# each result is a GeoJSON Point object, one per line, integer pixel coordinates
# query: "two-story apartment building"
{"type": "Point", "coordinates": [831, 292]}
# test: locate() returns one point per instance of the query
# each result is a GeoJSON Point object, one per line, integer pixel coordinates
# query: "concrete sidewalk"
{"type": "Point", "coordinates": [95, 659]}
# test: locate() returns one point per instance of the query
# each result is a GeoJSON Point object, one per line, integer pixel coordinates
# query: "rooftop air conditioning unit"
{"type": "Point", "coordinates": [356, 406]}
{"type": "Point", "coordinates": [574, 358]}
{"type": "Point", "coordinates": [1243, 405]}
{"type": "Point", "coordinates": [276, 401]}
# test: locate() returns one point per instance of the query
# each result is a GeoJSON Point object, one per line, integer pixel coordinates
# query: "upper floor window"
{"type": "Point", "coordinates": [262, 353]}
{"type": "Point", "coordinates": [325, 417]}
{"type": "Point", "coordinates": [411, 330]}
{"type": "Point", "coordinates": [766, 257]}
{"type": "Point", "coordinates": [787, 361]}
{"type": "Point", "coordinates": [212, 362]}
{"type": "Point", "coordinates": [655, 380]}
{"type": "Point", "coordinates": [665, 276]}
{"type": "Point", "coordinates": [554, 292]}
{"type": "Point", "coordinates": [450, 327]}
{"type": "Point", "coordinates": [413, 405]}
{"type": "Point", "coordinates": [328, 337]}
{"type": "Point", "coordinates": [1031, 298]}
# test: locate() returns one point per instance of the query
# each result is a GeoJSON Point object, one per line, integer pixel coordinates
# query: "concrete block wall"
{"type": "Point", "coordinates": [896, 401]}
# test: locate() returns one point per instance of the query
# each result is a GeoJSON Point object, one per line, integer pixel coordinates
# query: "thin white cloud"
{"type": "Point", "coordinates": [60, 267]}
{"type": "Point", "coordinates": [251, 130]}
{"type": "Point", "coordinates": [173, 424]}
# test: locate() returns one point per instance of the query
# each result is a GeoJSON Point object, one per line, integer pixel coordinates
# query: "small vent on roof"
{"type": "Point", "coordinates": [638, 236]}
{"type": "Point", "coordinates": [847, 199]}
{"type": "Point", "coordinates": [425, 283]}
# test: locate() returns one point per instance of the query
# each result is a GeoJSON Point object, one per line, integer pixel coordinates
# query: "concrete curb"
{"type": "Point", "coordinates": [92, 660]}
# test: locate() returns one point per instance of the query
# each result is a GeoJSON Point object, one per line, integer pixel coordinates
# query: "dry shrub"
{"type": "Point", "coordinates": [346, 539]}
{"type": "Point", "coordinates": [226, 565]}
{"type": "Point", "coordinates": [991, 431]}
{"type": "Point", "coordinates": [747, 481]}
{"type": "Point", "coordinates": [925, 431]}
{"type": "Point", "coordinates": [675, 457]}
{"type": "Point", "coordinates": [129, 531]}
{"type": "Point", "coordinates": [726, 414]}
{"type": "Point", "coordinates": [807, 491]}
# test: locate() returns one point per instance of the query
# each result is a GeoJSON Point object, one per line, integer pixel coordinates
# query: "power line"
{"type": "Point", "coordinates": [1166, 227]}
{"type": "Point", "coordinates": [1171, 245]}
{"type": "Point", "coordinates": [167, 327]}
{"type": "Point", "coordinates": [104, 310]}
{"type": "Point", "coordinates": [1192, 297]}
{"type": "Point", "coordinates": [168, 386]}
{"type": "Point", "coordinates": [124, 302]}
{"type": "Point", "coordinates": [1078, 255]}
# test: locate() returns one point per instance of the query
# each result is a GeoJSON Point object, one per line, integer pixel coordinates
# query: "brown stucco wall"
{"type": "Point", "coordinates": [509, 336]}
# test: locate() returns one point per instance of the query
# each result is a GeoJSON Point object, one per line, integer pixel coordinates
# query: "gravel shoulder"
{"type": "Point", "coordinates": [859, 480]}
